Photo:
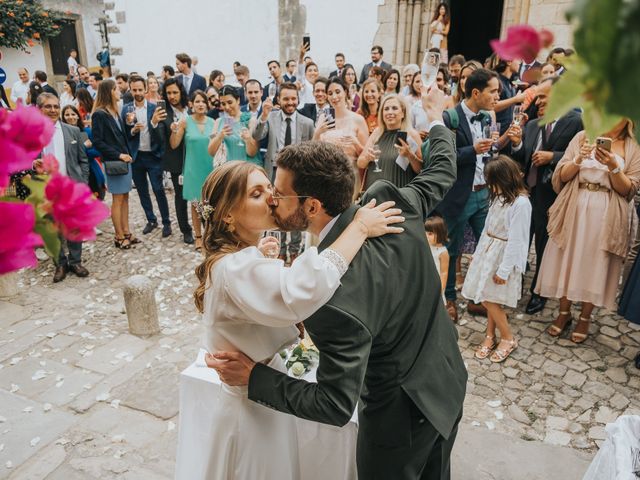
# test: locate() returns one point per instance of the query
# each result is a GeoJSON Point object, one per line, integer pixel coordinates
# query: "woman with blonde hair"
{"type": "Point", "coordinates": [397, 160]}
{"type": "Point", "coordinates": [153, 90]}
{"type": "Point", "coordinates": [590, 225]}
{"type": "Point", "coordinates": [250, 302]}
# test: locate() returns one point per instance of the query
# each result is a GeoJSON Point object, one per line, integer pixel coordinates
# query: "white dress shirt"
{"type": "Point", "coordinates": [476, 133]}
{"type": "Point", "coordinates": [19, 90]}
{"type": "Point", "coordinates": [56, 148]}
{"type": "Point", "coordinates": [145, 137]}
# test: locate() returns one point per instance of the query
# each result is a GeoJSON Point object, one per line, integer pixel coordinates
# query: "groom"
{"type": "Point", "coordinates": [385, 338]}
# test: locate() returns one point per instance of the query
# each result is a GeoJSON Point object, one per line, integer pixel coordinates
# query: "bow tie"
{"type": "Point", "coordinates": [477, 118]}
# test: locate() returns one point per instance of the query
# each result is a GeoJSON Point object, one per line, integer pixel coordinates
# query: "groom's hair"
{"type": "Point", "coordinates": [322, 171]}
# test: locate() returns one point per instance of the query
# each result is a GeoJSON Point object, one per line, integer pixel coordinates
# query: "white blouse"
{"type": "Point", "coordinates": [517, 224]}
{"type": "Point", "coordinates": [252, 303]}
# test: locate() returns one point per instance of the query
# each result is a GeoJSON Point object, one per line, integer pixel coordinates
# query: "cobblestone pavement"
{"type": "Point", "coordinates": [81, 398]}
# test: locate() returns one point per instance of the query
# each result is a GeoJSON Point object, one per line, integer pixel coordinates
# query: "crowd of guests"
{"type": "Point", "coordinates": [519, 180]}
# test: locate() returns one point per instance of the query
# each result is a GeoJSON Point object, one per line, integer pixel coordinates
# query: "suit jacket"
{"type": "Point", "coordinates": [157, 143]}
{"type": "Point", "coordinates": [335, 73]}
{"type": "Point", "coordinates": [365, 70]}
{"type": "Point", "coordinates": [172, 159]}
{"type": "Point", "coordinates": [197, 83]}
{"type": "Point", "coordinates": [109, 136]}
{"type": "Point", "coordinates": [563, 132]}
{"type": "Point", "coordinates": [309, 110]}
{"type": "Point", "coordinates": [304, 131]}
{"type": "Point", "coordinates": [75, 155]}
{"type": "Point", "coordinates": [455, 200]}
{"type": "Point", "coordinates": [385, 337]}
{"type": "Point", "coordinates": [49, 89]}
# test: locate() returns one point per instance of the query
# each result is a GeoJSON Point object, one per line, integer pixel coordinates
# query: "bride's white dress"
{"type": "Point", "coordinates": [252, 305]}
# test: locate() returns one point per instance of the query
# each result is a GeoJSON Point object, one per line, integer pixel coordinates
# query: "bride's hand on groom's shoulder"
{"type": "Point", "coordinates": [377, 220]}
{"type": "Point", "coordinates": [234, 368]}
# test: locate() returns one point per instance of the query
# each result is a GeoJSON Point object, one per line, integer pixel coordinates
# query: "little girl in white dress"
{"type": "Point", "coordinates": [437, 236]}
{"type": "Point", "coordinates": [494, 276]}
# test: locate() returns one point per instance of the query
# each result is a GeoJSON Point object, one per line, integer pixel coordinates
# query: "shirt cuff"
{"type": "Point", "coordinates": [516, 149]}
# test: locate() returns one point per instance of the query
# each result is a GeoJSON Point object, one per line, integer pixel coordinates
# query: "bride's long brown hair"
{"type": "Point", "coordinates": [224, 189]}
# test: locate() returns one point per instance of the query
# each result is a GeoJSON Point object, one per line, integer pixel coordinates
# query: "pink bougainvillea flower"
{"type": "Point", "coordinates": [74, 208]}
{"type": "Point", "coordinates": [50, 164]}
{"type": "Point", "coordinates": [522, 42]}
{"type": "Point", "coordinates": [23, 134]}
{"type": "Point", "coordinates": [546, 38]}
{"type": "Point", "coordinates": [18, 240]}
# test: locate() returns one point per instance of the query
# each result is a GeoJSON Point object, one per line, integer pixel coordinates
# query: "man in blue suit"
{"type": "Point", "coordinates": [188, 78]}
{"type": "Point", "coordinates": [146, 149]}
{"type": "Point", "coordinates": [468, 199]}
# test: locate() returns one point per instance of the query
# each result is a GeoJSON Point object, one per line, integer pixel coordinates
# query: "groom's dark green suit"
{"type": "Point", "coordinates": [386, 340]}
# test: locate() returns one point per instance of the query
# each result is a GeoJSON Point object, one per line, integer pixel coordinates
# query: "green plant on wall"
{"type": "Point", "coordinates": [23, 23]}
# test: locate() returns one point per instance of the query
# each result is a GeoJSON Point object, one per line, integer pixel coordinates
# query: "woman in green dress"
{"type": "Point", "coordinates": [198, 164]}
{"type": "Point", "coordinates": [234, 130]}
{"type": "Point", "coordinates": [387, 157]}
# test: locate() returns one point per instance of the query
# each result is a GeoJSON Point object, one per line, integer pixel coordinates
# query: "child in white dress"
{"type": "Point", "coordinates": [495, 273]}
{"type": "Point", "coordinates": [437, 236]}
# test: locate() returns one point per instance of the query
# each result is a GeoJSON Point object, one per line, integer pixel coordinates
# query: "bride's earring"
{"type": "Point", "coordinates": [231, 227]}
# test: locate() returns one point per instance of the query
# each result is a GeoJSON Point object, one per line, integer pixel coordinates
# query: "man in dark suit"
{"type": "Point", "coordinates": [122, 81]}
{"type": "Point", "coordinates": [538, 150]}
{"type": "Point", "coordinates": [310, 110]}
{"type": "Point", "coordinates": [290, 76]}
{"type": "Point", "coordinates": [147, 150]}
{"type": "Point", "coordinates": [376, 61]}
{"type": "Point", "coordinates": [468, 199]}
{"type": "Point", "coordinates": [340, 61]}
{"type": "Point", "coordinates": [68, 148]}
{"type": "Point", "coordinates": [188, 78]}
{"type": "Point", "coordinates": [173, 159]}
{"type": "Point", "coordinates": [41, 77]}
{"type": "Point", "coordinates": [277, 78]}
{"type": "Point", "coordinates": [385, 339]}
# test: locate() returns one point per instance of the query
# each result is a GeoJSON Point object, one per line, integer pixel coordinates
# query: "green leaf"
{"type": "Point", "coordinates": [566, 94]}
{"type": "Point", "coordinates": [47, 230]}
{"type": "Point", "coordinates": [597, 121]}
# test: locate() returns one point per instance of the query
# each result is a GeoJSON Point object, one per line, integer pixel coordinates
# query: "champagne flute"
{"type": "Point", "coordinates": [430, 65]}
{"type": "Point", "coordinates": [495, 135]}
{"type": "Point", "coordinates": [517, 115]}
{"type": "Point", "coordinates": [130, 115]}
{"type": "Point", "coordinates": [487, 135]}
{"type": "Point", "coordinates": [241, 142]}
{"type": "Point", "coordinates": [376, 158]}
{"type": "Point", "coordinates": [273, 250]}
{"type": "Point", "coordinates": [353, 90]}
{"type": "Point", "coordinates": [273, 90]}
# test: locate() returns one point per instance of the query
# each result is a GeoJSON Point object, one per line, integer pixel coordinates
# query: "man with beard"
{"type": "Point", "coordinates": [146, 149]}
{"type": "Point", "coordinates": [385, 338]}
{"type": "Point", "coordinates": [283, 127]}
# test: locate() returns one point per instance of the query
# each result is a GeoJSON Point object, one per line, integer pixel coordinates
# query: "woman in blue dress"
{"type": "Point", "coordinates": [234, 130]}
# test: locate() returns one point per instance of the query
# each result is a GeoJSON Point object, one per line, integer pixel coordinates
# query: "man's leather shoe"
{"type": "Point", "coordinates": [166, 231]}
{"type": "Point", "coordinates": [188, 238]}
{"type": "Point", "coordinates": [61, 273]}
{"type": "Point", "coordinates": [79, 270]}
{"type": "Point", "coordinates": [536, 304]}
{"type": "Point", "coordinates": [452, 310]}
{"type": "Point", "coordinates": [149, 227]}
{"type": "Point", "coordinates": [476, 309]}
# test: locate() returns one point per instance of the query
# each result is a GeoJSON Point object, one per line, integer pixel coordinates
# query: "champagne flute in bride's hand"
{"type": "Point", "coordinates": [272, 249]}
{"type": "Point", "coordinates": [429, 70]}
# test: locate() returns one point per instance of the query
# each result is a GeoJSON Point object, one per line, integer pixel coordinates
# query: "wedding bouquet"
{"type": "Point", "coordinates": [56, 206]}
{"type": "Point", "coordinates": [301, 359]}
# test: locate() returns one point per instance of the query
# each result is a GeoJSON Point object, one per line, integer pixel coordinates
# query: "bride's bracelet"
{"type": "Point", "coordinates": [336, 259]}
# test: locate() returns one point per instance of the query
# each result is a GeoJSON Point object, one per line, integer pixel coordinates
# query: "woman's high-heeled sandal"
{"type": "Point", "coordinates": [556, 331]}
{"type": "Point", "coordinates": [577, 337]}
{"type": "Point", "coordinates": [132, 240]}
{"type": "Point", "coordinates": [484, 351]}
{"type": "Point", "coordinates": [122, 243]}
{"type": "Point", "coordinates": [500, 354]}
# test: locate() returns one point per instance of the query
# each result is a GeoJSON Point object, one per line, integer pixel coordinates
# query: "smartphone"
{"type": "Point", "coordinates": [401, 135]}
{"type": "Point", "coordinates": [604, 142]}
{"type": "Point", "coordinates": [332, 112]}
{"type": "Point", "coordinates": [306, 40]}
{"type": "Point", "coordinates": [161, 104]}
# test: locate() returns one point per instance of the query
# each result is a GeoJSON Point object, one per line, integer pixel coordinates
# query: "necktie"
{"type": "Point", "coordinates": [187, 84]}
{"type": "Point", "coordinates": [287, 132]}
{"type": "Point", "coordinates": [547, 133]}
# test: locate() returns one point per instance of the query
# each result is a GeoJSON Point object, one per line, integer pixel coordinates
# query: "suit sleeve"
{"type": "Point", "coordinates": [100, 129]}
{"type": "Point", "coordinates": [576, 126]}
{"type": "Point", "coordinates": [83, 160]}
{"type": "Point", "coordinates": [344, 353]}
{"type": "Point", "coordinates": [158, 134]}
{"type": "Point", "coordinates": [261, 131]}
{"type": "Point", "coordinates": [430, 186]}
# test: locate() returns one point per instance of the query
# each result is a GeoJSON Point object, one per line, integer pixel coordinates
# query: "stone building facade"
{"type": "Point", "coordinates": [403, 25]}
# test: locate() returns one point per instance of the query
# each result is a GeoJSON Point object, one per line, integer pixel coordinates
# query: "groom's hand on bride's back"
{"type": "Point", "coordinates": [234, 368]}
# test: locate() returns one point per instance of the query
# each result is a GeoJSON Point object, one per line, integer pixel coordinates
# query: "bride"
{"type": "Point", "coordinates": [251, 304]}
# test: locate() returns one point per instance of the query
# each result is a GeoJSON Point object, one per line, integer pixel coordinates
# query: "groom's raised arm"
{"type": "Point", "coordinates": [344, 352]}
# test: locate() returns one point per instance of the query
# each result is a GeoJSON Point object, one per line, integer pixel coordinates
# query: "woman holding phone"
{"type": "Point", "coordinates": [393, 148]}
{"type": "Point", "coordinates": [590, 225]}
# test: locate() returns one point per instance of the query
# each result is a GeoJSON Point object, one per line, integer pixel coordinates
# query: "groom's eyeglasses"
{"type": "Point", "coordinates": [277, 197]}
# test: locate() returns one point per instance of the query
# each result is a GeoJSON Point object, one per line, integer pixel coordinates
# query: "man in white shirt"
{"type": "Point", "coordinates": [307, 75]}
{"type": "Point", "coordinates": [68, 148]}
{"type": "Point", "coordinates": [72, 64]}
{"type": "Point", "coordinates": [147, 151]}
{"type": "Point", "coordinates": [20, 89]}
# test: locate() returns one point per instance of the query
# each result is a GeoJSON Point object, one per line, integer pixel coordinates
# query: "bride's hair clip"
{"type": "Point", "coordinates": [204, 210]}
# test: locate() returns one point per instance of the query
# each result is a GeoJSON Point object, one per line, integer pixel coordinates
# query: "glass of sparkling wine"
{"type": "Point", "coordinates": [517, 115]}
{"type": "Point", "coordinates": [353, 90]}
{"type": "Point", "coordinates": [430, 65]}
{"type": "Point", "coordinates": [376, 158]}
{"type": "Point", "coordinates": [272, 91]}
{"type": "Point", "coordinates": [274, 249]}
{"type": "Point", "coordinates": [130, 115]}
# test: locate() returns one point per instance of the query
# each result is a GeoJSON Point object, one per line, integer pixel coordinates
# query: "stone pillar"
{"type": "Point", "coordinates": [402, 20]}
{"type": "Point", "coordinates": [415, 32]}
{"type": "Point", "coordinates": [9, 284]}
{"type": "Point", "coordinates": [140, 304]}
{"type": "Point", "coordinates": [407, 31]}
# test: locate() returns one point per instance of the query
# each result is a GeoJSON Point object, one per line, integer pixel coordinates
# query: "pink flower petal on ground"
{"type": "Point", "coordinates": [522, 42]}
{"type": "Point", "coordinates": [74, 208]}
{"type": "Point", "coordinates": [18, 240]}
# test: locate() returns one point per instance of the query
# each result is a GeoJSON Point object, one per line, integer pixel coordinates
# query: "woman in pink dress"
{"type": "Point", "coordinates": [590, 226]}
